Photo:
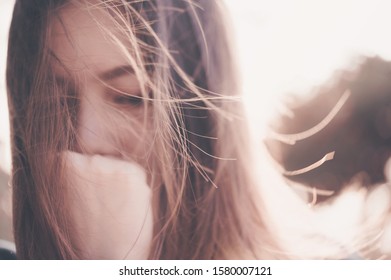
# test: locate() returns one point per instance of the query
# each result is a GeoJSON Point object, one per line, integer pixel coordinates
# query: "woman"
{"type": "Point", "coordinates": [98, 89]}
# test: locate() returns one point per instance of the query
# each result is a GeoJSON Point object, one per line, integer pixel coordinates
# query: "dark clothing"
{"type": "Point", "coordinates": [7, 254]}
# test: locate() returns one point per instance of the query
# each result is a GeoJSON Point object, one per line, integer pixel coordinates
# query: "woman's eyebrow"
{"type": "Point", "coordinates": [116, 72]}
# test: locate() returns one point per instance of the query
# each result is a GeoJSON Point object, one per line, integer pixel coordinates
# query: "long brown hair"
{"type": "Point", "coordinates": [208, 206]}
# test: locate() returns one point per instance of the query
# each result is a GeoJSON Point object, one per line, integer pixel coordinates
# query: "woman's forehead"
{"type": "Point", "coordinates": [80, 40]}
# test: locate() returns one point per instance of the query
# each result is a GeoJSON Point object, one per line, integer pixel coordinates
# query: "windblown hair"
{"type": "Point", "coordinates": [207, 206]}
{"type": "Point", "coordinates": [359, 133]}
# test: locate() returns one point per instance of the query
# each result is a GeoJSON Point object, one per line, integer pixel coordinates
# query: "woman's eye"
{"type": "Point", "coordinates": [127, 100]}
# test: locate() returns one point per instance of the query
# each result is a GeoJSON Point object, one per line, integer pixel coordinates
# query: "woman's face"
{"type": "Point", "coordinates": [111, 114]}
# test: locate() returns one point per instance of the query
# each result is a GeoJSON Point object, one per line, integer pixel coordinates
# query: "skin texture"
{"type": "Point", "coordinates": [110, 196]}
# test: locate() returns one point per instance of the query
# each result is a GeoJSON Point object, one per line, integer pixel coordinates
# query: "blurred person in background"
{"type": "Point", "coordinates": [349, 116]}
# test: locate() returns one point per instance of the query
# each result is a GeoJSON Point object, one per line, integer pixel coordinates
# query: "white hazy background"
{"type": "Point", "coordinates": [289, 46]}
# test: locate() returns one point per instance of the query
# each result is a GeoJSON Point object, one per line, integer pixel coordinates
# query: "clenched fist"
{"type": "Point", "coordinates": [111, 207]}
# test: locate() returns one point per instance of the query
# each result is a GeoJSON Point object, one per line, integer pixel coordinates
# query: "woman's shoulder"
{"type": "Point", "coordinates": [6, 254]}
{"type": "Point", "coordinates": [7, 250]}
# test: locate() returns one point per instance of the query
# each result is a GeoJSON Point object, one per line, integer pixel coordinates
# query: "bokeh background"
{"type": "Point", "coordinates": [284, 47]}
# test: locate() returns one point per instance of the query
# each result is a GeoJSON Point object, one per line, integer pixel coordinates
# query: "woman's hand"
{"type": "Point", "coordinates": [110, 202]}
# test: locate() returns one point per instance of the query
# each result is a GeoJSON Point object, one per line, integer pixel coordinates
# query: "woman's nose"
{"type": "Point", "coordinates": [94, 128]}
